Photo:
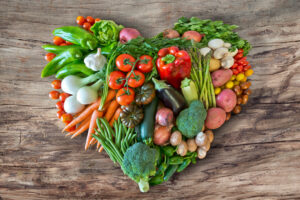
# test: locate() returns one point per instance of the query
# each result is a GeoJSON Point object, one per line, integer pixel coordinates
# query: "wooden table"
{"type": "Point", "coordinates": [254, 156]}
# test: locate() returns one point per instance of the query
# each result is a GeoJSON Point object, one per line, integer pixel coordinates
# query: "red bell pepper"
{"type": "Point", "coordinates": [173, 65]}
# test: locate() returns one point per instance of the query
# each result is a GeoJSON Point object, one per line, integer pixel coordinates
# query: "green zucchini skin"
{"type": "Point", "coordinates": [146, 128]}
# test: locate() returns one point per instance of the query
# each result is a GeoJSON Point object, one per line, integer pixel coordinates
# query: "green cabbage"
{"type": "Point", "coordinates": [106, 31]}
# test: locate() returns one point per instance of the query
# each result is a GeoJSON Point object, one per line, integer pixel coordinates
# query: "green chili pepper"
{"type": "Point", "coordinates": [159, 155]}
{"type": "Point", "coordinates": [78, 36]}
{"type": "Point", "coordinates": [58, 49]}
{"type": "Point", "coordinates": [176, 160]}
{"type": "Point", "coordinates": [61, 60]}
{"type": "Point", "coordinates": [194, 160]}
{"type": "Point", "coordinates": [168, 150]}
{"type": "Point", "coordinates": [156, 180]}
{"type": "Point", "coordinates": [170, 171]}
{"type": "Point", "coordinates": [72, 69]}
{"type": "Point", "coordinates": [184, 165]}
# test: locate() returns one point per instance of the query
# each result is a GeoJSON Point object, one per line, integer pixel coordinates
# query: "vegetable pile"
{"type": "Point", "coordinates": [150, 103]}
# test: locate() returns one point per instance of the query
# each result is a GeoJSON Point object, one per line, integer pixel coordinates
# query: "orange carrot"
{"type": "Point", "coordinates": [111, 122]}
{"type": "Point", "coordinates": [96, 114]}
{"type": "Point", "coordinates": [111, 110]}
{"type": "Point", "coordinates": [83, 128]}
{"type": "Point", "coordinates": [98, 145]}
{"type": "Point", "coordinates": [117, 114]}
{"type": "Point", "coordinates": [101, 149]}
{"type": "Point", "coordinates": [93, 141]}
{"type": "Point", "coordinates": [80, 125]}
{"type": "Point", "coordinates": [88, 110]}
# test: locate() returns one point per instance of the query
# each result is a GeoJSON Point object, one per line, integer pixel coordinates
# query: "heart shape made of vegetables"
{"type": "Point", "coordinates": [151, 103]}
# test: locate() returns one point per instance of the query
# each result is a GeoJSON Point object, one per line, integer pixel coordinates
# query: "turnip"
{"type": "Point", "coordinates": [128, 34]}
{"type": "Point", "coordinates": [89, 94]}
{"type": "Point", "coordinates": [72, 106]}
{"type": "Point", "coordinates": [71, 84]}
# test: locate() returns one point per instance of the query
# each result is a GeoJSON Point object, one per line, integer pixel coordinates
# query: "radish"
{"type": "Point", "coordinates": [89, 94]}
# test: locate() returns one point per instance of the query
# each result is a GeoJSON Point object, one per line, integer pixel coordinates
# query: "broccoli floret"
{"type": "Point", "coordinates": [139, 163]}
{"type": "Point", "coordinates": [190, 121]}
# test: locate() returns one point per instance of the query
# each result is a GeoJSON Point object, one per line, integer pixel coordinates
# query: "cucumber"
{"type": "Point", "coordinates": [146, 128]}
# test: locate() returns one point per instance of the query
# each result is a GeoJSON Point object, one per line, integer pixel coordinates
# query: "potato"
{"type": "Point", "coordinates": [192, 35]}
{"type": "Point", "coordinates": [214, 64]}
{"type": "Point", "coordinates": [226, 100]}
{"type": "Point", "coordinates": [215, 118]}
{"type": "Point", "coordinates": [220, 77]}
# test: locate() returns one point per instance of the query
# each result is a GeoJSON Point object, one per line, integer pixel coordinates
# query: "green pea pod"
{"type": "Point", "coordinates": [61, 60]}
{"type": "Point", "coordinates": [156, 180]}
{"type": "Point", "coordinates": [176, 160]}
{"type": "Point", "coordinates": [184, 165]}
{"type": "Point", "coordinates": [168, 150]}
{"type": "Point", "coordinates": [170, 171]}
{"type": "Point", "coordinates": [72, 69]}
{"type": "Point", "coordinates": [58, 49]}
{"type": "Point", "coordinates": [78, 36]}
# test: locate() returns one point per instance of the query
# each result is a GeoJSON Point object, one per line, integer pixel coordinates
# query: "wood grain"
{"type": "Point", "coordinates": [254, 156]}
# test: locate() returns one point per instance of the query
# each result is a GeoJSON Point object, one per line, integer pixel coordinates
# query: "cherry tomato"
{"type": "Point", "coordinates": [60, 113]}
{"type": "Point", "coordinates": [145, 64]}
{"type": "Point", "coordinates": [87, 26]}
{"type": "Point", "coordinates": [234, 65]}
{"type": "Point", "coordinates": [163, 52]}
{"type": "Point", "coordinates": [56, 84]}
{"type": "Point", "coordinates": [240, 68]}
{"type": "Point", "coordinates": [90, 19]}
{"type": "Point", "coordinates": [125, 96]}
{"type": "Point", "coordinates": [80, 20]}
{"type": "Point", "coordinates": [97, 20]}
{"type": "Point", "coordinates": [73, 128]}
{"type": "Point", "coordinates": [136, 78]}
{"type": "Point", "coordinates": [124, 62]}
{"type": "Point", "coordinates": [116, 80]}
{"type": "Point", "coordinates": [54, 94]}
{"type": "Point", "coordinates": [68, 43]}
{"type": "Point", "coordinates": [60, 105]}
{"type": "Point", "coordinates": [173, 50]}
{"type": "Point", "coordinates": [67, 118]}
{"type": "Point", "coordinates": [49, 56]}
{"type": "Point", "coordinates": [63, 44]}
{"type": "Point", "coordinates": [58, 40]}
{"type": "Point", "coordinates": [63, 96]}
{"type": "Point", "coordinates": [240, 51]}
{"type": "Point", "coordinates": [235, 71]}
{"type": "Point", "coordinates": [238, 56]}
{"type": "Point", "coordinates": [247, 67]}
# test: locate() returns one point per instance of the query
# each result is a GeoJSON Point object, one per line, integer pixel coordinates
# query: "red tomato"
{"type": "Point", "coordinates": [73, 128]}
{"type": "Point", "coordinates": [63, 96]}
{"type": "Point", "coordinates": [60, 105]}
{"type": "Point", "coordinates": [163, 52]}
{"type": "Point", "coordinates": [238, 56]}
{"type": "Point", "coordinates": [90, 19]}
{"type": "Point", "coordinates": [68, 43]}
{"type": "Point", "coordinates": [240, 68]}
{"type": "Point", "coordinates": [240, 51]}
{"type": "Point", "coordinates": [235, 71]}
{"type": "Point", "coordinates": [234, 65]}
{"type": "Point", "coordinates": [63, 44]}
{"type": "Point", "coordinates": [56, 84]}
{"type": "Point", "coordinates": [173, 50]}
{"type": "Point", "coordinates": [54, 94]}
{"type": "Point", "coordinates": [136, 79]}
{"type": "Point", "coordinates": [116, 80]}
{"type": "Point", "coordinates": [49, 56]}
{"type": "Point", "coordinates": [60, 113]}
{"type": "Point", "coordinates": [247, 67]}
{"type": "Point", "coordinates": [124, 62]}
{"type": "Point", "coordinates": [87, 26]}
{"type": "Point", "coordinates": [125, 96]}
{"type": "Point", "coordinates": [80, 20]}
{"type": "Point", "coordinates": [242, 62]}
{"type": "Point", "coordinates": [67, 118]}
{"type": "Point", "coordinates": [97, 20]}
{"type": "Point", "coordinates": [145, 64]}
{"type": "Point", "coordinates": [58, 40]}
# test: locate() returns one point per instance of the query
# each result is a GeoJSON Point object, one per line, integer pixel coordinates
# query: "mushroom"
{"type": "Point", "coordinates": [227, 62]}
{"type": "Point", "coordinates": [175, 138]}
{"type": "Point", "coordinates": [220, 53]}
{"type": "Point", "coordinates": [182, 148]}
{"type": "Point", "coordinates": [192, 146]}
{"type": "Point", "coordinates": [233, 53]}
{"type": "Point", "coordinates": [201, 153]}
{"type": "Point", "coordinates": [204, 51]}
{"type": "Point", "coordinates": [215, 43]}
{"type": "Point", "coordinates": [206, 147]}
{"type": "Point", "coordinates": [201, 139]}
{"type": "Point", "coordinates": [210, 135]}
{"type": "Point", "coordinates": [227, 45]}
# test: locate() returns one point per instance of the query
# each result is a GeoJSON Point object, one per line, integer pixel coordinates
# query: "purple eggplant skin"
{"type": "Point", "coordinates": [170, 97]}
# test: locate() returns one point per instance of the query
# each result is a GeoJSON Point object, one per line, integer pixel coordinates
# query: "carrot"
{"type": "Point", "coordinates": [93, 141]}
{"type": "Point", "coordinates": [83, 128]}
{"type": "Point", "coordinates": [80, 125]}
{"type": "Point", "coordinates": [88, 110]}
{"type": "Point", "coordinates": [101, 149]}
{"type": "Point", "coordinates": [98, 145]}
{"type": "Point", "coordinates": [117, 114]}
{"type": "Point", "coordinates": [111, 110]}
{"type": "Point", "coordinates": [96, 114]}
{"type": "Point", "coordinates": [111, 122]}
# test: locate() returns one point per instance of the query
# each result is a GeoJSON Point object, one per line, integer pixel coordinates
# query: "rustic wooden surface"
{"type": "Point", "coordinates": [254, 156]}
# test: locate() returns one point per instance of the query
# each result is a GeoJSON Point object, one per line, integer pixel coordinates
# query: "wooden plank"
{"type": "Point", "coordinates": [254, 156]}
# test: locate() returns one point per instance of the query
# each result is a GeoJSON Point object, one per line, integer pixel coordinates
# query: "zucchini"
{"type": "Point", "coordinates": [146, 128]}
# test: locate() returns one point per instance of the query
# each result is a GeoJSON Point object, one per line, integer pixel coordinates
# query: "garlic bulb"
{"type": "Point", "coordinates": [95, 61]}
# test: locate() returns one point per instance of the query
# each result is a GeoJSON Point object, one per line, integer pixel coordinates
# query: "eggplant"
{"type": "Point", "coordinates": [170, 97]}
